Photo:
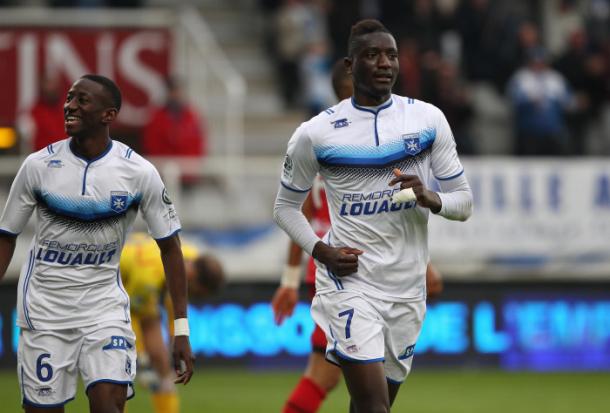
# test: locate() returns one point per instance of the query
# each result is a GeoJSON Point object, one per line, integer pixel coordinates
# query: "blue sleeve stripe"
{"type": "Point", "coordinates": [169, 236]}
{"type": "Point", "coordinates": [302, 191]}
{"type": "Point", "coordinates": [9, 233]}
{"type": "Point", "coordinates": [450, 177]}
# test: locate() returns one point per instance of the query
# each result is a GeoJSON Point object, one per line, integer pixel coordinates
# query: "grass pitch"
{"type": "Point", "coordinates": [427, 391]}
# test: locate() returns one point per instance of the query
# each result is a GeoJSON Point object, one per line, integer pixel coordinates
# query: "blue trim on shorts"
{"type": "Point", "coordinates": [46, 406]}
{"type": "Point", "coordinates": [128, 383]}
{"type": "Point", "coordinates": [447, 178]}
{"type": "Point", "coordinates": [331, 361]}
{"type": "Point", "coordinates": [348, 358]}
{"type": "Point", "coordinates": [300, 191]}
{"type": "Point", "coordinates": [389, 380]}
{"type": "Point", "coordinates": [9, 233]}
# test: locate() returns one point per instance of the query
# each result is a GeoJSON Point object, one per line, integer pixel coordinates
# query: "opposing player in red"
{"type": "Point", "coordinates": [320, 376]}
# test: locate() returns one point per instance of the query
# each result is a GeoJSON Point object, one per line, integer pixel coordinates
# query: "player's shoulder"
{"type": "Point", "coordinates": [329, 119]}
{"type": "Point", "coordinates": [50, 155]}
{"type": "Point", "coordinates": [417, 106]}
{"type": "Point", "coordinates": [130, 158]}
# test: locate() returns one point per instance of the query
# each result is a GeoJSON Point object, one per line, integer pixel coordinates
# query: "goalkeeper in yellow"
{"type": "Point", "coordinates": [144, 279]}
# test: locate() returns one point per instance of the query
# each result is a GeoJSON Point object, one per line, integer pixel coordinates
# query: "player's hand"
{"type": "Point", "coordinates": [283, 303]}
{"type": "Point", "coordinates": [339, 260]}
{"type": "Point", "coordinates": [425, 197]}
{"type": "Point", "coordinates": [183, 359]}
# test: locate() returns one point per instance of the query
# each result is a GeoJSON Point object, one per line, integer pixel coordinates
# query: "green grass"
{"type": "Point", "coordinates": [238, 390]}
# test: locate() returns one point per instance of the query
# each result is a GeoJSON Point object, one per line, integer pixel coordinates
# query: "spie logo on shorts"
{"type": "Point", "coordinates": [352, 349]}
{"type": "Point", "coordinates": [407, 353]}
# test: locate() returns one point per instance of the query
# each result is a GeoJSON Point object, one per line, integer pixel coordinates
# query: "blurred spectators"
{"type": "Point", "coordinates": [44, 124]}
{"type": "Point", "coordinates": [539, 97]}
{"type": "Point", "coordinates": [175, 129]}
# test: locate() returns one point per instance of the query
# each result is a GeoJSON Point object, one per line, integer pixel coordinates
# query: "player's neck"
{"type": "Point", "coordinates": [89, 147]}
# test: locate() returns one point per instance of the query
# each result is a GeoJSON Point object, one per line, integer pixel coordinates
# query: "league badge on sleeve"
{"type": "Point", "coordinates": [411, 141]}
{"type": "Point", "coordinates": [118, 201]}
{"type": "Point", "coordinates": [288, 168]}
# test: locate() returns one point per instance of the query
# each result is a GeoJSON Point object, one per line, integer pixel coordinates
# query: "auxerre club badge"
{"type": "Point", "coordinates": [118, 201]}
{"type": "Point", "coordinates": [411, 141]}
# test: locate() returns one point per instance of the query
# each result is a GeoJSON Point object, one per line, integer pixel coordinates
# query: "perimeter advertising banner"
{"type": "Point", "coordinates": [138, 59]}
{"type": "Point", "coordinates": [513, 326]}
{"type": "Point", "coordinates": [541, 216]}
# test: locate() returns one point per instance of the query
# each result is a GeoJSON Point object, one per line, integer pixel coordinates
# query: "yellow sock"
{"type": "Point", "coordinates": [166, 402]}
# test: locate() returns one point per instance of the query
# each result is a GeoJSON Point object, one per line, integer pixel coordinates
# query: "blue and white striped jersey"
{"type": "Point", "coordinates": [84, 211]}
{"type": "Point", "coordinates": [355, 150]}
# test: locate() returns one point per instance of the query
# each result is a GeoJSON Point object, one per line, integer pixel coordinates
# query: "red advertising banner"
{"type": "Point", "coordinates": [137, 59]}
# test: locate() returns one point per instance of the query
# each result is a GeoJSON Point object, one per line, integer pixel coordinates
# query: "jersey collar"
{"type": "Point", "coordinates": [373, 109]}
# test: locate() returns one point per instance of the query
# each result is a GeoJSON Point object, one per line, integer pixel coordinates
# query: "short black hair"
{"type": "Point", "coordinates": [362, 28]}
{"type": "Point", "coordinates": [110, 86]}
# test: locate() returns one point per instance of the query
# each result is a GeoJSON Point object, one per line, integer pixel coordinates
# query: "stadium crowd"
{"type": "Point", "coordinates": [549, 61]}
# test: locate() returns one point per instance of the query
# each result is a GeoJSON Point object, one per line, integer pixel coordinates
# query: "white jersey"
{"type": "Point", "coordinates": [355, 150]}
{"type": "Point", "coordinates": [85, 210]}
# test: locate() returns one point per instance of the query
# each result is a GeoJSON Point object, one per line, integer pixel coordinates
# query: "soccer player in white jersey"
{"type": "Point", "coordinates": [72, 308]}
{"type": "Point", "coordinates": [371, 265]}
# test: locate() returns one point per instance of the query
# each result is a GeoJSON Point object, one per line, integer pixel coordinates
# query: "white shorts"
{"type": "Point", "coordinates": [365, 330]}
{"type": "Point", "coordinates": [48, 362]}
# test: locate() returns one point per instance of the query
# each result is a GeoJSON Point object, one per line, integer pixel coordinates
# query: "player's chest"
{"type": "Point", "coordinates": [374, 130]}
{"type": "Point", "coordinates": [77, 186]}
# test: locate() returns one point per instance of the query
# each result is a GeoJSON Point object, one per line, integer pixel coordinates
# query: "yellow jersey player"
{"type": "Point", "coordinates": [143, 277]}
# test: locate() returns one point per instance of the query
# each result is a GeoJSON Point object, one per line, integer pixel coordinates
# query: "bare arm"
{"type": "Point", "coordinates": [7, 248]}
{"type": "Point", "coordinates": [173, 264]}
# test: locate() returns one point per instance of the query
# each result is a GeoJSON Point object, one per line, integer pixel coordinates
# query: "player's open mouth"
{"type": "Point", "coordinates": [72, 120]}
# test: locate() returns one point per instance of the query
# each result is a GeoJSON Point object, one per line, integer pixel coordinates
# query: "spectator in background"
{"type": "Point", "coordinates": [175, 129]}
{"type": "Point", "coordinates": [44, 123]}
{"type": "Point", "coordinates": [584, 71]}
{"type": "Point", "coordinates": [540, 98]}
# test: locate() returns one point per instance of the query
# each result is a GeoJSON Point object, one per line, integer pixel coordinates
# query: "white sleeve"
{"type": "Point", "coordinates": [300, 168]}
{"type": "Point", "coordinates": [456, 198]}
{"type": "Point", "coordinates": [20, 203]}
{"type": "Point", "coordinates": [157, 208]}
{"type": "Point", "coordinates": [445, 162]}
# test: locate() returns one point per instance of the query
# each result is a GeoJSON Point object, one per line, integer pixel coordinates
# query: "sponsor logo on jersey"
{"type": "Point", "coordinates": [288, 168]}
{"type": "Point", "coordinates": [371, 203]}
{"type": "Point", "coordinates": [411, 141]}
{"type": "Point", "coordinates": [118, 201]}
{"type": "Point", "coordinates": [165, 197]}
{"type": "Point", "coordinates": [340, 123]}
{"type": "Point", "coordinates": [55, 163]}
{"type": "Point", "coordinates": [407, 353]}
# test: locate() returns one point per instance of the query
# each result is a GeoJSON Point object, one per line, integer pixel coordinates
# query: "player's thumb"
{"type": "Point", "coordinates": [397, 172]}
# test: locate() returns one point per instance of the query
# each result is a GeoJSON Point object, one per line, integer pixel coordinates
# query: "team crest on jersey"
{"type": "Point", "coordinates": [340, 123]}
{"type": "Point", "coordinates": [411, 141]}
{"type": "Point", "coordinates": [118, 201]}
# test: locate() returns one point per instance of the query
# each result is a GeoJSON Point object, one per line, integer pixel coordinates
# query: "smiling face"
{"type": "Point", "coordinates": [88, 109]}
{"type": "Point", "coordinates": [374, 68]}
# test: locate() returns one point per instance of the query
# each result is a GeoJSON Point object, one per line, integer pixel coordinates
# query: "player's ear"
{"type": "Point", "coordinates": [347, 61]}
{"type": "Point", "coordinates": [109, 115]}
